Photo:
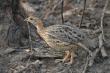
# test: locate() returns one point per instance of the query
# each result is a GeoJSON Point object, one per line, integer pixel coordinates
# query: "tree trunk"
{"type": "Point", "coordinates": [13, 30]}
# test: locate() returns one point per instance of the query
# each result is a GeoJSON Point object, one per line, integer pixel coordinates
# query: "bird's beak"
{"type": "Point", "coordinates": [26, 19]}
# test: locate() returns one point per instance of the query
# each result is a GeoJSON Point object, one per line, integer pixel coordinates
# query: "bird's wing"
{"type": "Point", "coordinates": [66, 33]}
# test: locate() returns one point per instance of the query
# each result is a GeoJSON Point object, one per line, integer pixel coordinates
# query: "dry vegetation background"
{"type": "Point", "coordinates": [14, 36]}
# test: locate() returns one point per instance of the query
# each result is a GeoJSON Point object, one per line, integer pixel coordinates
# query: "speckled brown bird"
{"type": "Point", "coordinates": [62, 38]}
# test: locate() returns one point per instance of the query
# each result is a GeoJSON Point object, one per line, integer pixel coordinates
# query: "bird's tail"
{"type": "Point", "coordinates": [90, 43]}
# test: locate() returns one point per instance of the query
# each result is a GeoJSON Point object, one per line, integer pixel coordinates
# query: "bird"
{"type": "Point", "coordinates": [62, 38]}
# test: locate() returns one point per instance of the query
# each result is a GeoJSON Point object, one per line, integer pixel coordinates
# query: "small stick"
{"type": "Point", "coordinates": [86, 65]}
{"type": "Point", "coordinates": [24, 47]}
{"type": "Point", "coordinates": [102, 17]}
{"type": "Point", "coordinates": [30, 43]}
{"type": "Point", "coordinates": [101, 25]}
{"type": "Point", "coordinates": [29, 11]}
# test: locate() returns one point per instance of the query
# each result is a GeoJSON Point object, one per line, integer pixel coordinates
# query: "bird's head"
{"type": "Point", "coordinates": [36, 22]}
{"type": "Point", "coordinates": [32, 19]}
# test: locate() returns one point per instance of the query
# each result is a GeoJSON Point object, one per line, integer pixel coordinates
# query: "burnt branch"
{"type": "Point", "coordinates": [62, 4]}
{"type": "Point", "coordinates": [83, 13]}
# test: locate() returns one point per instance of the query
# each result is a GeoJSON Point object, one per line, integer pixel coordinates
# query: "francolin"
{"type": "Point", "coordinates": [63, 38]}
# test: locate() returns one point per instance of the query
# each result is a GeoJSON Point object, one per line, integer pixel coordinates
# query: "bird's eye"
{"type": "Point", "coordinates": [31, 18]}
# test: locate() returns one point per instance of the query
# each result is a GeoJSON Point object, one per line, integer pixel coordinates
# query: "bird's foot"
{"type": "Point", "coordinates": [66, 57]}
{"type": "Point", "coordinates": [69, 57]}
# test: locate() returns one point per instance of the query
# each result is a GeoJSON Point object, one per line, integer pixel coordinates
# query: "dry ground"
{"type": "Point", "coordinates": [15, 60]}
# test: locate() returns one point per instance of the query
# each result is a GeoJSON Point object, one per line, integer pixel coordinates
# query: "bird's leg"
{"type": "Point", "coordinates": [69, 56]}
{"type": "Point", "coordinates": [73, 55]}
{"type": "Point", "coordinates": [66, 56]}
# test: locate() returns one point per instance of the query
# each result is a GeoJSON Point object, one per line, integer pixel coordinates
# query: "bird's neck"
{"type": "Point", "coordinates": [39, 25]}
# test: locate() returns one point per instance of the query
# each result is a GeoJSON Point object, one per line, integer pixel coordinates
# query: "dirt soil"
{"type": "Point", "coordinates": [43, 60]}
